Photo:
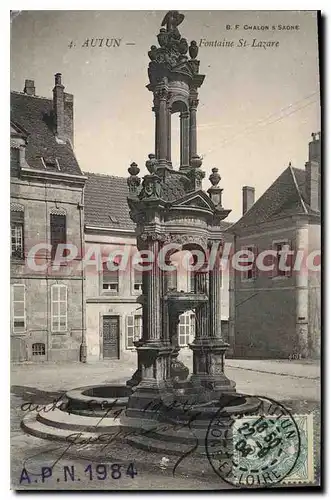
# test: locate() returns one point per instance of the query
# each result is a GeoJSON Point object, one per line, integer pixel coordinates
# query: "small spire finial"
{"type": "Point", "coordinates": [214, 177]}
{"type": "Point", "coordinates": [133, 181]}
{"type": "Point", "coordinates": [151, 163]}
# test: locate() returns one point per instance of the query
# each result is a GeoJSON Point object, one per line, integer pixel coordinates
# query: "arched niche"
{"type": "Point", "coordinates": [178, 137]}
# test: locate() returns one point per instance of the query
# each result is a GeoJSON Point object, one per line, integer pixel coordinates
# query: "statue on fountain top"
{"type": "Point", "coordinates": [172, 19]}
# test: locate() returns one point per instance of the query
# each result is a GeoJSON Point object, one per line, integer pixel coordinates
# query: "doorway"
{"type": "Point", "coordinates": [111, 336]}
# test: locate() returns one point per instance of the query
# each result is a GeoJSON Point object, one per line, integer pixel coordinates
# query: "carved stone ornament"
{"type": "Point", "coordinates": [151, 187]}
{"type": "Point", "coordinates": [151, 163]}
{"type": "Point", "coordinates": [133, 181]}
{"type": "Point", "coordinates": [193, 50]}
{"type": "Point", "coordinates": [181, 239]}
{"type": "Point", "coordinates": [172, 53]}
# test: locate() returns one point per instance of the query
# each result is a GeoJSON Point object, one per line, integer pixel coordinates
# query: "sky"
{"type": "Point", "coordinates": [257, 110]}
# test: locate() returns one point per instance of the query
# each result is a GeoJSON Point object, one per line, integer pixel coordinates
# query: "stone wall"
{"type": "Point", "coordinates": [265, 307]}
{"type": "Point", "coordinates": [38, 199]}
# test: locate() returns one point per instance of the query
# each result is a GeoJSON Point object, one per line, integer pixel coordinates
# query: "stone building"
{"type": "Point", "coordinates": [113, 311]}
{"type": "Point", "coordinates": [276, 313]}
{"type": "Point", "coordinates": [47, 304]}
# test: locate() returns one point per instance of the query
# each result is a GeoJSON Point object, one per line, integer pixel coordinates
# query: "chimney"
{"type": "Point", "coordinates": [29, 87]}
{"type": "Point", "coordinates": [69, 117]}
{"type": "Point", "coordinates": [58, 107]}
{"type": "Point", "coordinates": [313, 184]}
{"type": "Point", "coordinates": [248, 198]}
{"type": "Point", "coordinates": [315, 148]}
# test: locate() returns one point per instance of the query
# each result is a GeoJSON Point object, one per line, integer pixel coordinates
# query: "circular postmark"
{"type": "Point", "coordinates": [254, 450]}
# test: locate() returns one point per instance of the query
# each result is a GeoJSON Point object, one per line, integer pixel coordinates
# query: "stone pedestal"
{"type": "Point", "coordinates": [154, 371]}
{"type": "Point", "coordinates": [208, 366]}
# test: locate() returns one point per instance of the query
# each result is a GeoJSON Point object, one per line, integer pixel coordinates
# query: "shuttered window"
{"type": "Point", "coordinates": [251, 272]}
{"type": "Point", "coordinates": [59, 305]}
{"type": "Point", "coordinates": [18, 307]}
{"type": "Point", "coordinates": [186, 329]}
{"type": "Point", "coordinates": [17, 232]}
{"type": "Point", "coordinates": [133, 330]}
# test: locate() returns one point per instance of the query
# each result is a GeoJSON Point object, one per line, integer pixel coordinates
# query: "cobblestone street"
{"type": "Point", "coordinates": [296, 384]}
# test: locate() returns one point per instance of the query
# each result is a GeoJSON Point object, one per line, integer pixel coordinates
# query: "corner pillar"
{"type": "Point", "coordinates": [184, 139]}
{"type": "Point", "coordinates": [209, 347]}
{"type": "Point", "coordinates": [154, 352]}
{"type": "Point", "coordinates": [193, 124]}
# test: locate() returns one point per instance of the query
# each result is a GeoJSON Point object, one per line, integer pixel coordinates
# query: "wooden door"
{"type": "Point", "coordinates": [111, 334]}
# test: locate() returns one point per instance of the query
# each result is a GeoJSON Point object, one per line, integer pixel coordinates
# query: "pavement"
{"type": "Point", "coordinates": [295, 383]}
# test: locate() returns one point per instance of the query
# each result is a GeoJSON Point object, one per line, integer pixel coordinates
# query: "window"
{"type": "Point", "coordinates": [186, 329]}
{"type": "Point", "coordinates": [17, 233]}
{"type": "Point", "coordinates": [138, 280]}
{"type": "Point", "coordinates": [18, 307]}
{"type": "Point", "coordinates": [110, 277]}
{"type": "Point", "coordinates": [59, 305]}
{"type": "Point", "coordinates": [138, 327]}
{"type": "Point", "coordinates": [133, 330]}
{"type": "Point", "coordinates": [38, 349]}
{"type": "Point", "coordinates": [250, 273]}
{"type": "Point", "coordinates": [283, 264]}
{"type": "Point", "coordinates": [14, 161]}
{"type": "Point", "coordinates": [58, 231]}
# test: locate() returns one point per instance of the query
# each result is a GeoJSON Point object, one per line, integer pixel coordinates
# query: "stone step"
{"type": "Point", "coordinates": [38, 429]}
{"type": "Point", "coordinates": [63, 420]}
{"type": "Point", "coordinates": [50, 422]}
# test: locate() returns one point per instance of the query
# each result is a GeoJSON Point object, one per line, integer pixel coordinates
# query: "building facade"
{"type": "Point", "coordinates": [46, 194]}
{"type": "Point", "coordinates": [275, 313]}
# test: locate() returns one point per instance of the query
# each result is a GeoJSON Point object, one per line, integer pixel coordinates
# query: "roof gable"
{"type": "Point", "coordinates": [195, 199]}
{"type": "Point", "coordinates": [34, 116]}
{"type": "Point", "coordinates": [282, 197]}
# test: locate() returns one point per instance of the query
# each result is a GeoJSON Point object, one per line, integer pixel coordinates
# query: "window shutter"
{"type": "Point", "coordinates": [58, 231]}
{"type": "Point", "coordinates": [18, 306]}
{"type": "Point", "coordinates": [129, 328]}
{"type": "Point", "coordinates": [254, 268]}
{"type": "Point", "coordinates": [289, 260]}
{"type": "Point", "coordinates": [244, 273]}
{"type": "Point", "coordinates": [271, 260]}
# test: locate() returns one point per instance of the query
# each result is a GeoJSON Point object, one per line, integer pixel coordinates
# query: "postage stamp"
{"type": "Point", "coordinates": [265, 449]}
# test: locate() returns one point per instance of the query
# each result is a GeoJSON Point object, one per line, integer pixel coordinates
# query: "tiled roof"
{"type": "Point", "coordinates": [286, 196]}
{"type": "Point", "coordinates": [34, 114]}
{"type": "Point", "coordinates": [106, 202]}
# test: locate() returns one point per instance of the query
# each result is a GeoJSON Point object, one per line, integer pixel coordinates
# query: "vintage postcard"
{"type": "Point", "coordinates": [165, 212]}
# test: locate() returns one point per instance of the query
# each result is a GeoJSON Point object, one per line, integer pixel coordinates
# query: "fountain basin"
{"type": "Point", "coordinates": [96, 399]}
